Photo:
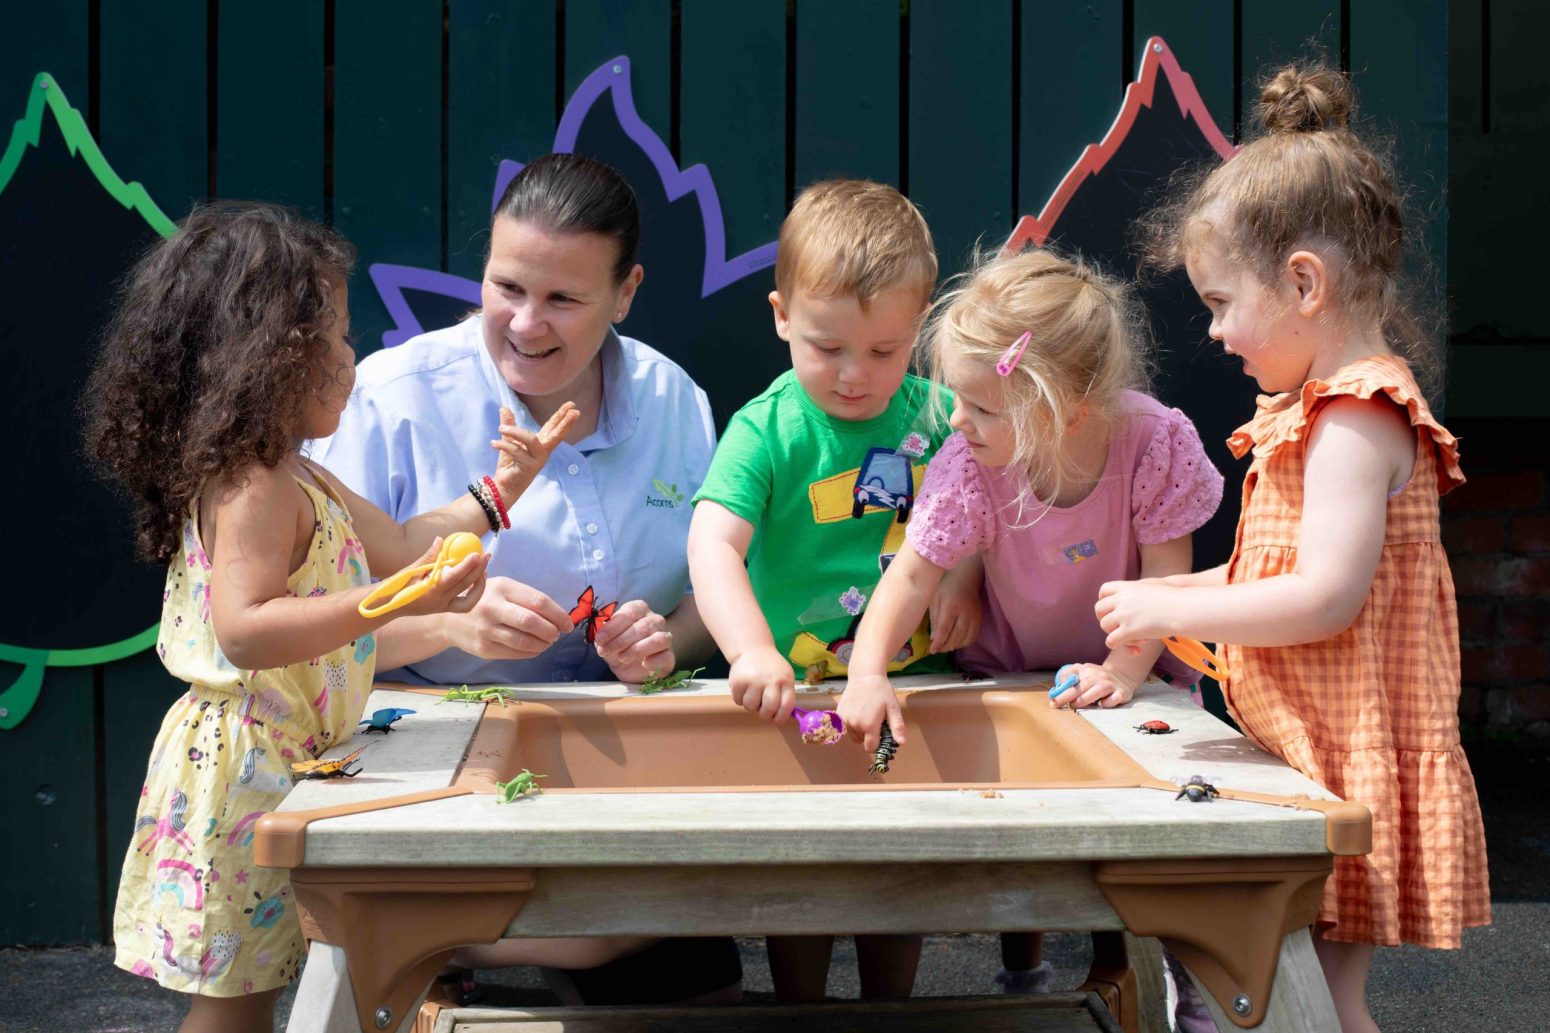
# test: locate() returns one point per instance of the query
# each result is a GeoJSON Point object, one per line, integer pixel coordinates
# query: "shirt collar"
{"type": "Point", "coordinates": [615, 423]}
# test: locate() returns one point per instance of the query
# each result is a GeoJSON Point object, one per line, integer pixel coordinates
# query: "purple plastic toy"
{"type": "Point", "coordinates": [819, 726]}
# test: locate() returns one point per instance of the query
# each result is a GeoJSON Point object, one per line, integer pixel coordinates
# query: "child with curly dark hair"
{"type": "Point", "coordinates": [228, 350]}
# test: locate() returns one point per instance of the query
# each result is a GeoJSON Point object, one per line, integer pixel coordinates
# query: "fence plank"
{"type": "Point", "coordinates": [960, 125]}
{"type": "Point", "coordinates": [500, 104]}
{"type": "Point", "coordinates": [387, 143]}
{"type": "Point", "coordinates": [597, 30]}
{"type": "Point", "coordinates": [1275, 34]}
{"type": "Point", "coordinates": [154, 99]}
{"type": "Point", "coordinates": [48, 808]}
{"type": "Point", "coordinates": [1070, 85]}
{"type": "Point", "coordinates": [269, 102]}
{"type": "Point", "coordinates": [732, 111]}
{"type": "Point", "coordinates": [1202, 36]}
{"type": "Point", "coordinates": [44, 37]}
{"type": "Point", "coordinates": [847, 91]}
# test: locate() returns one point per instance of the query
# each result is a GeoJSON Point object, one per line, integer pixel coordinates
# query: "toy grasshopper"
{"type": "Point", "coordinates": [483, 694]}
{"type": "Point", "coordinates": [525, 784]}
{"type": "Point", "coordinates": [671, 681]}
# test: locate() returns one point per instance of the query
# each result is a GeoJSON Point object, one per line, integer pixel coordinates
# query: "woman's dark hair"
{"type": "Point", "coordinates": [570, 193]}
{"type": "Point", "coordinates": [219, 339]}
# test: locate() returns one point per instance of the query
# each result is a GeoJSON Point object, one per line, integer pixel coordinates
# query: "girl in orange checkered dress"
{"type": "Point", "coordinates": [1338, 601]}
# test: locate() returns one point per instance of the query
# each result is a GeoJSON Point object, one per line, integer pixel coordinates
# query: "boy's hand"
{"type": "Point", "coordinates": [868, 701]}
{"type": "Point", "coordinates": [523, 453]}
{"type": "Point", "coordinates": [1094, 683]}
{"type": "Point", "coordinates": [762, 683]}
{"type": "Point", "coordinates": [636, 644]}
{"type": "Point", "coordinates": [956, 609]}
{"type": "Point", "coordinates": [1131, 612]}
{"type": "Point", "coordinates": [457, 587]}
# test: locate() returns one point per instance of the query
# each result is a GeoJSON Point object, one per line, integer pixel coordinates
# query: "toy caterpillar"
{"type": "Point", "coordinates": [886, 748]}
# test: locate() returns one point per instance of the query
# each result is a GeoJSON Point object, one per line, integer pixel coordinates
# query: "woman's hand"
{"type": "Point", "coordinates": [1094, 683]}
{"type": "Point", "coordinates": [956, 607]}
{"type": "Point", "coordinates": [763, 683]}
{"type": "Point", "coordinates": [457, 589]}
{"type": "Point", "coordinates": [868, 701]}
{"type": "Point", "coordinates": [524, 453]}
{"type": "Point", "coordinates": [636, 643]}
{"type": "Point", "coordinates": [510, 621]}
{"type": "Point", "coordinates": [1131, 612]}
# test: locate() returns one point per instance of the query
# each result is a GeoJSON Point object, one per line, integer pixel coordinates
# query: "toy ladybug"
{"type": "Point", "coordinates": [1155, 728]}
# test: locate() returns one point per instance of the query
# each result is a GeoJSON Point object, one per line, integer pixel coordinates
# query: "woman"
{"type": "Point", "coordinates": [561, 271]}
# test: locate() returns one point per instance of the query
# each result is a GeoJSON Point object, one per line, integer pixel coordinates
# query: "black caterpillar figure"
{"type": "Point", "coordinates": [886, 748]}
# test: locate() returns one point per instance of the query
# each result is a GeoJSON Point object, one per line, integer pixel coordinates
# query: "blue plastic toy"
{"type": "Point", "coordinates": [382, 720]}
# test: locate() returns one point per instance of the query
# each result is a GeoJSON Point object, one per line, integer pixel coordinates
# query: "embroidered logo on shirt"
{"type": "Point", "coordinates": [1081, 551]}
{"type": "Point", "coordinates": [914, 444]}
{"type": "Point", "coordinates": [852, 601]}
{"type": "Point", "coordinates": [671, 496]}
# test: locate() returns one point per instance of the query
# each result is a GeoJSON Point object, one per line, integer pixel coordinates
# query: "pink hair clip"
{"type": "Point", "coordinates": [1013, 354]}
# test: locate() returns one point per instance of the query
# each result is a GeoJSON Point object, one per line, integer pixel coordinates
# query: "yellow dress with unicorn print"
{"type": "Point", "coordinates": [194, 913]}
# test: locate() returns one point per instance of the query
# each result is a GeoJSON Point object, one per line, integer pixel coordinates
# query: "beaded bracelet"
{"type": "Point", "coordinates": [500, 504]}
{"type": "Point", "coordinates": [477, 491]}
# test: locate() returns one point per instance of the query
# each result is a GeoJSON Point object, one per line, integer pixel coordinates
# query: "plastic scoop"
{"type": "Point", "coordinates": [402, 588]}
{"type": "Point", "coordinates": [819, 726]}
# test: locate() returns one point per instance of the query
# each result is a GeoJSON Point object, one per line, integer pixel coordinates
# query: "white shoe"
{"type": "Point", "coordinates": [1037, 980]}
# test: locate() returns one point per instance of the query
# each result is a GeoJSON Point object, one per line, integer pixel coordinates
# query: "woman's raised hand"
{"type": "Point", "coordinates": [636, 643]}
{"type": "Point", "coordinates": [524, 453]}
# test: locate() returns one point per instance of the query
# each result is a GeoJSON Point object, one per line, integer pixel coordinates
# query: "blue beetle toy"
{"type": "Point", "coordinates": [382, 720]}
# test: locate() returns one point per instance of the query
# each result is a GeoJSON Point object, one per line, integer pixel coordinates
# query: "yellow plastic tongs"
{"type": "Point", "coordinates": [402, 589]}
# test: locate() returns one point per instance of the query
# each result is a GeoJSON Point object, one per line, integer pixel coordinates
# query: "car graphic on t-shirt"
{"type": "Point", "coordinates": [884, 481]}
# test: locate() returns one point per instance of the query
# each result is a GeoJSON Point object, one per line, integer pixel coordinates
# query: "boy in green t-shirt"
{"type": "Point", "coordinates": [812, 484]}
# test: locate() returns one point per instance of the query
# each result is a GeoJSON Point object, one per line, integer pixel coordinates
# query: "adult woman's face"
{"type": "Point", "coordinates": [549, 298]}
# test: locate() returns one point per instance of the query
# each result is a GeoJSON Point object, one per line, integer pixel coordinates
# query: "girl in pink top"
{"type": "Point", "coordinates": [1062, 475]}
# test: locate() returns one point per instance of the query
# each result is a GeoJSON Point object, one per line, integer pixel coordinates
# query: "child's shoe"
{"type": "Point", "coordinates": [1187, 1012]}
{"type": "Point", "coordinates": [1037, 980]}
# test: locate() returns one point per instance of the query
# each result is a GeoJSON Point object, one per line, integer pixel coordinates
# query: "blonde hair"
{"type": "Point", "coordinates": [853, 237]}
{"type": "Point", "coordinates": [1306, 182]}
{"type": "Point", "coordinates": [1088, 346]}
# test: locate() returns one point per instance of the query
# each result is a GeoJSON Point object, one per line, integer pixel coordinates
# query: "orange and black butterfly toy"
{"type": "Point", "coordinates": [336, 768]}
{"type": "Point", "coordinates": [589, 616]}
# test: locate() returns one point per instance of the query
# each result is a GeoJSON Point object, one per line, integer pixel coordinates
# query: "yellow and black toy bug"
{"type": "Point", "coordinates": [887, 746]}
{"type": "Point", "coordinates": [1198, 790]}
{"type": "Point", "coordinates": [337, 768]}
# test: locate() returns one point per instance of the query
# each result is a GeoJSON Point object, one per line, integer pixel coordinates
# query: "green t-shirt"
{"type": "Point", "coordinates": [826, 497]}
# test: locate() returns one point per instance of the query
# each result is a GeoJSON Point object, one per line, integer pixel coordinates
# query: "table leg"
{"type": "Point", "coordinates": [324, 1001]}
{"type": "Point", "coordinates": [1299, 997]}
{"type": "Point", "coordinates": [1127, 973]}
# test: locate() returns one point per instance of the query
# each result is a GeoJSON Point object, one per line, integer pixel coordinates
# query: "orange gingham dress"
{"type": "Point", "coordinates": [1372, 713]}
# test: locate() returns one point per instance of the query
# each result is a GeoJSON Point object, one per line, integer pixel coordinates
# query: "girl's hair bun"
{"type": "Point", "coordinates": [1305, 100]}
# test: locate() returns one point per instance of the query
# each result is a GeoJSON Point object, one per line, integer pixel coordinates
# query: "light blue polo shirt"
{"type": "Point", "coordinates": [611, 512]}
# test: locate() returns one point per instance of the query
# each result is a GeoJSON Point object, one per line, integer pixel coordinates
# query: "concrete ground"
{"type": "Point", "coordinates": [1500, 981]}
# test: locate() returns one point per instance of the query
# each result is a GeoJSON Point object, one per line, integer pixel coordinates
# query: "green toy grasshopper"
{"type": "Point", "coordinates": [483, 694]}
{"type": "Point", "coordinates": [671, 681]}
{"type": "Point", "coordinates": [525, 784]}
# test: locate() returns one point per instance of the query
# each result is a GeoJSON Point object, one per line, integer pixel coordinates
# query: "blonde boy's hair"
{"type": "Point", "coordinates": [1088, 345]}
{"type": "Point", "coordinates": [853, 237]}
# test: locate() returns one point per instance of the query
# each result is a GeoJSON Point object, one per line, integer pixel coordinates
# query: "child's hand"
{"type": "Point", "coordinates": [868, 701]}
{"type": "Point", "coordinates": [523, 453]}
{"type": "Point", "coordinates": [956, 609]}
{"type": "Point", "coordinates": [1131, 612]}
{"type": "Point", "coordinates": [1093, 683]}
{"type": "Point", "coordinates": [457, 587]}
{"type": "Point", "coordinates": [636, 644]}
{"type": "Point", "coordinates": [762, 683]}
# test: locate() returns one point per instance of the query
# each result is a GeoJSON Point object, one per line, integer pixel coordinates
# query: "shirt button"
{"type": "Point", "coordinates": [573, 469]}
{"type": "Point", "coordinates": [597, 554]}
{"type": "Point", "coordinates": [591, 529]}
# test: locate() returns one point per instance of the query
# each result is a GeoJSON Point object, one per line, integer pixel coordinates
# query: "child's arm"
{"type": "Point", "coordinates": [1209, 578]}
{"type": "Point", "coordinates": [392, 546]}
{"type": "Point", "coordinates": [761, 679]}
{"type": "Point", "coordinates": [254, 526]}
{"type": "Point", "coordinates": [956, 607]}
{"type": "Point", "coordinates": [1358, 449]}
{"type": "Point", "coordinates": [1114, 682]}
{"type": "Point", "coordinates": [897, 605]}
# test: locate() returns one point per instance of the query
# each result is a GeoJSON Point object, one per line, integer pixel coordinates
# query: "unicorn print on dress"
{"type": "Point", "coordinates": [168, 827]}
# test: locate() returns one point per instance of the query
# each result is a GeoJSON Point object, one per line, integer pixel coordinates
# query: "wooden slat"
{"type": "Point", "coordinates": [1202, 36]}
{"type": "Point", "coordinates": [269, 102]}
{"type": "Point", "coordinates": [960, 139]}
{"type": "Point", "coordinates": [1275, 34]}
{"type": "Point", "coordinates": [1070, 86]}
{"type": "Point", "coordinates": [732, 111]}
{"type": "Point", "coordinates": [599, 30]}
{"type": "Point", "coordinates": [500, 105]}
{"type": "Point", "coordinates": [48, 807]}
{"type": "Point", "coordinates": [387, 143]}
{"type": "Point", "coordinates": [847, 91]}
{"type": "Point", "coordinates": [154, 99]}
{"type": "Point", "coordinates": [44, 37]}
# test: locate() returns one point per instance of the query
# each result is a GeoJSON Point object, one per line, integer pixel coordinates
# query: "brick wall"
{"type": "Point", "coordinates": [1497, 532]}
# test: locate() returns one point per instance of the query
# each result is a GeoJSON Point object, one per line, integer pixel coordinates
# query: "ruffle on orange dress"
{"type": "Point", "coordinates": [1372, 713]}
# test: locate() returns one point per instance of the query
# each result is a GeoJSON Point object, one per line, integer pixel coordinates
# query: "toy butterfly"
{"type": "Point", "coordinates": [589, 616]}
{"type": "Point", "coordinates": [327, 768]}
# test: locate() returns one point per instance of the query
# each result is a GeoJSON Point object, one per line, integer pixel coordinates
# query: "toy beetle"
{"type": "Point", "coordinates": [1155, 727]}
{"type": "Point", "coordinates": [1198, 790]}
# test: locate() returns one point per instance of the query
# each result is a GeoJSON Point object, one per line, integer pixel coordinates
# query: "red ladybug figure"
{"type": "Point", "coordinates": [1155, 728]}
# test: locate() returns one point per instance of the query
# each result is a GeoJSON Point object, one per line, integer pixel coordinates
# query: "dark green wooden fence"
{"type": "Point", "coordinates": [389, 118]}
